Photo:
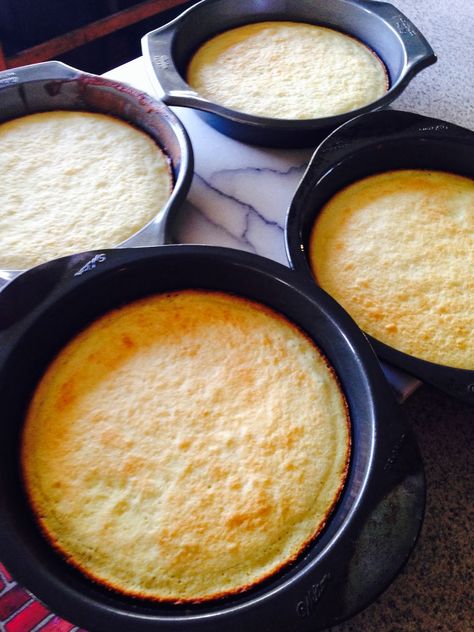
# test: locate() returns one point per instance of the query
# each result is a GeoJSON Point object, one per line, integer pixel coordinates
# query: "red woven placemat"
{"type": "Point", "coordinates": [21, 612]}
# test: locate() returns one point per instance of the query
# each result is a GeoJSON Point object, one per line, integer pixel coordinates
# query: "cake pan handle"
{"type": "Point", "coordinates": [26, 292]}
{"type": "Point", "coordinates": [38, 72]}
{"type": "Point", "coordinates": [419, 52]}
{"type": "Point", "coordinates": [375, 128]}
{"type": "Point", "coordinates": [162, 70]}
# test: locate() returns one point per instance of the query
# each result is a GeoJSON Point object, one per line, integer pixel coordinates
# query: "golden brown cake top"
{"type": "Point", "coordinates": [287, 70]}
{"type": "Point", "coordinates": [396, 250]}
{"type": "Point", "coordinates": [186, 446]}
{"type": "Point", "coordinates": [74, 181]}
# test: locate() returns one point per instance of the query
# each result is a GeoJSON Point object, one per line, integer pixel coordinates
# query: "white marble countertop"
{"type": "Point", "coordinates": [240, 193]}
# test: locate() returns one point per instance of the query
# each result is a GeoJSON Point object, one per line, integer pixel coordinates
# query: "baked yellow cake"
{"type": "Point", "coordinates": [397, 251]}
{"type": "Point", "coordinates": [288, 70]}
{"type": "Point", "coordinates": [74, 181]}
{"type": "Point", "coordinates": [185, 446]}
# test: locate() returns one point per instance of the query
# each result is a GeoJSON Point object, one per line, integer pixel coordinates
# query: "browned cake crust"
{"type": "Point", "coordinates": [186, 446]}
{"type": "Point", "coordinates": [397, 251]}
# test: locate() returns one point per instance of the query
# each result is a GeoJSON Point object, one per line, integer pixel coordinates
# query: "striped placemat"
{"type": "Point", "coordinates": [21, 612]}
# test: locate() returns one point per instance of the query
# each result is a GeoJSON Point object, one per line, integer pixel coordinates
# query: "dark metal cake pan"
{"type": "Point", "coordinates": [372, 143]}
{"type": "Point", "coordinates": [367, 538]}
{"type": "Point", "coordinates": [381, 26]}
{"type": "Point", "coordinates": [55, 86]}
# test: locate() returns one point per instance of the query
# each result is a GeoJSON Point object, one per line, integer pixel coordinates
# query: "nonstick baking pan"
{"type": "Point", "coordinates": [367, 538]}
{"type": "Point", "coordinates": [376, 142]}
{"type": "Point", "coordinates": [381, 26]}
{"type": "Point", "coordinates": [53, 85]}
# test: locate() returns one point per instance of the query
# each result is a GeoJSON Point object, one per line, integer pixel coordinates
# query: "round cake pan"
{"type": "Point", "coordinates": [54, 86]}
{"type": "Point", "coordinates": [368, 536]}
{"type": "Point", "coordinates": [379, 25]}
{"type": "Point", "coordinates": [372, 143]}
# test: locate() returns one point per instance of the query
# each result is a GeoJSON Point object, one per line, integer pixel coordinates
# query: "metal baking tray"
{"type": "Point", "coordinates": [53, 85]}
{"type": "Point", "coordinates": [374, 142]}
{"type": "Point", "coordinates": [369, 535]}
{"type": "Point", "coordinates": [381, 26]}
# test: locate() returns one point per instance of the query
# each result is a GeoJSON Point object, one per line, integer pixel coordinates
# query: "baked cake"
{"type": "Point", "coordinates": [288, 70]}
{"type": "Point", "coordinates": [74, 181]}
{"type": "Point", "coordinates": [185, 446]}
{"type": "Point", "coordinates": [396, 249]}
